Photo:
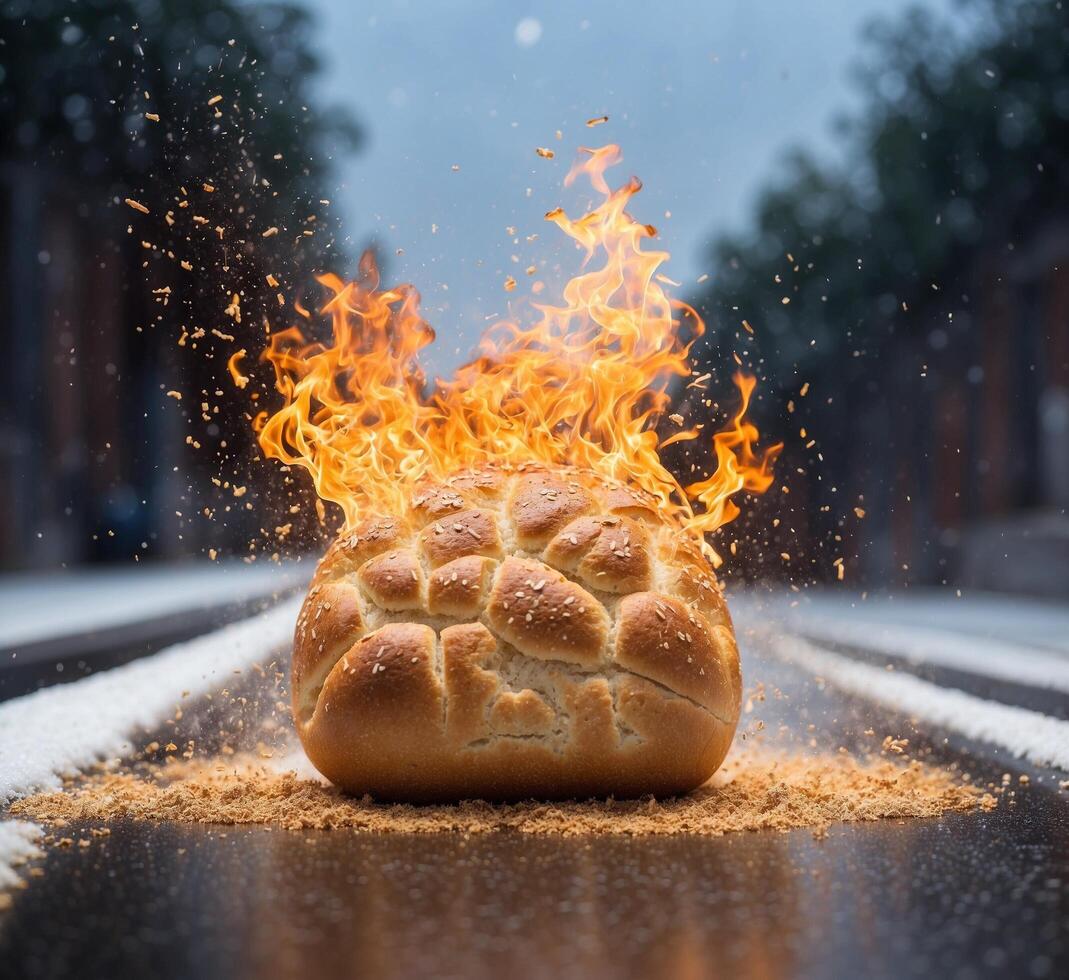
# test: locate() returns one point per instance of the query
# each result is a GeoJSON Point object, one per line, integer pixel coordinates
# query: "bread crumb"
{"type": "Point", "coordinates": [757, 789]}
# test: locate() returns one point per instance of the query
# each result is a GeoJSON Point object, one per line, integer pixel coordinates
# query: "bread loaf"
{"type": "Point", "coordinates": [517, 633]}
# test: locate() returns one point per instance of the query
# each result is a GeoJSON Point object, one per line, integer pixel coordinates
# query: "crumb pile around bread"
{"type": "Point", "coordinates": [518, 632]}
{"type": "Point", "coordinates": [773, 787]}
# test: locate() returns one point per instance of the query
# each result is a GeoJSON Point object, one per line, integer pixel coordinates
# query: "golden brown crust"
{"type": "Point", "coordinates": [542, 504]}
{"type": "Point", "coordinates": [572, 543]}
{"type": "Point", "coordinates": [467, 532]}
{"type": "Point", "coordinates": [629, 502]}
{"type": "Point", "coordinates": [609, 553]}
{"type": "Point", "coordinates": [565, 641]}
{"type": "Point", "coordinates": [330, 621]}
{"type": "Point", "coordinates": [687, 576]}
{"type": "Point", "coordinates": [459, 587]}
{"type": "Point", "coordinates": [661, 639]}
{"type": "Point", "coordinates": [394, 580]}
{"type": "Point", "coordinates": [388, 675]}
{"type": "Point", "coordinates": [544, 615]}
{"type": "Point", "coordinates": [472, 489]}
{"type": "Point", "coordinates": [349, 551]}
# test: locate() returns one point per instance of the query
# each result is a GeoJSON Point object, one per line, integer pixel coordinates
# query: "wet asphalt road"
{"type": "Point", "coordinates": [967, 895]}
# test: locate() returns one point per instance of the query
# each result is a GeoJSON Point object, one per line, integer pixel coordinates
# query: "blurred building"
{"type": "Point", "coordinates": [122, 99]}
{"type": "Point", "coordinates": [911, 309]}
{"type": "Point", "coordinates": [974, 415]}
{"type": "Point", "coordinates": [80, 385]}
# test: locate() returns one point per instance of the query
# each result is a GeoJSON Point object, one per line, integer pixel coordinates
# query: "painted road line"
{"type": "Point", "coordinates": [60, 730]}
{"type": "Point", "coordinates": [995, 659]}
{"type": "Point", "coordinates": [1025, 734]}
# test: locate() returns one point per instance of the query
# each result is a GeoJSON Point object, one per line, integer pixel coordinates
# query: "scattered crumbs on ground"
{"type": "Point", "coordinates": [759, 789]}
{"type": "Point", "coordinates": [63, 729]}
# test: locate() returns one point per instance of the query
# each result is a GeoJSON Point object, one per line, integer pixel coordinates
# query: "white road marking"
{"type": "Point", "coordinates": [1030, 735]}
{"type": "Point", "coordinates": [919, 645]}
{"type": "Point", "coordinates": [39, 606]}
{"type": "Point", "coordinates": [17, 845]}
{"type": "Point", "coordinates": [60, 730]}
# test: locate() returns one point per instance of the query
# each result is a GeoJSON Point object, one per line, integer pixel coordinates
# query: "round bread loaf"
{"type": "Point", "coordinates": [517, 633]}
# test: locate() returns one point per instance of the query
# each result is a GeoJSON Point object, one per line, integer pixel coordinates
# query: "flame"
{"type": "Point", "coordinates": [583, 385]}
{"type": "Point", "coordinates": [233, 365]}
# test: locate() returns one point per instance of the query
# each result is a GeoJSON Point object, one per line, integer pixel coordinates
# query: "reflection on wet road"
{"type": "Point", "coordinates": [978, 894]}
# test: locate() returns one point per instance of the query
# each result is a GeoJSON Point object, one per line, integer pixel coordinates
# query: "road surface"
{"type": "Point", "coordinates": [968, 895]}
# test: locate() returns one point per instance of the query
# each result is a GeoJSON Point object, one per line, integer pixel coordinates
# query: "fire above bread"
{"type": "Point", "coordinates": [521, 601]}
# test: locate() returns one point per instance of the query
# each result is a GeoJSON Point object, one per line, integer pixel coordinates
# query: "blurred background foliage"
{"type": "Point", "coordinates": [918, 292]}
{"type": "Point", "coordinates": [104, 100]}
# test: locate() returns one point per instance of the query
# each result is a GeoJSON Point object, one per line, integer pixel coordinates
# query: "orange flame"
{"type": "Point", "coordinates": [233, 365]}
{"type": "Point", "coordinates": [584, 385]}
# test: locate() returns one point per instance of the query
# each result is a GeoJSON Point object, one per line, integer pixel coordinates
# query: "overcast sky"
{"type": "Point", "coordinates": [703, 96]}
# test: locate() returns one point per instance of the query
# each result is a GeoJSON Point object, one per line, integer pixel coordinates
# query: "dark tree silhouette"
{"type": "Point", "coordinates": [871, 279]}
{"type": "Point", "coordinates": [205, 114]}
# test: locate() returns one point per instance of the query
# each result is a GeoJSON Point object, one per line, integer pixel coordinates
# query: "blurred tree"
{"type": "Point", "coordinates": [961, 149]}
{"type": "Point", "coordinates": [202, 111]}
